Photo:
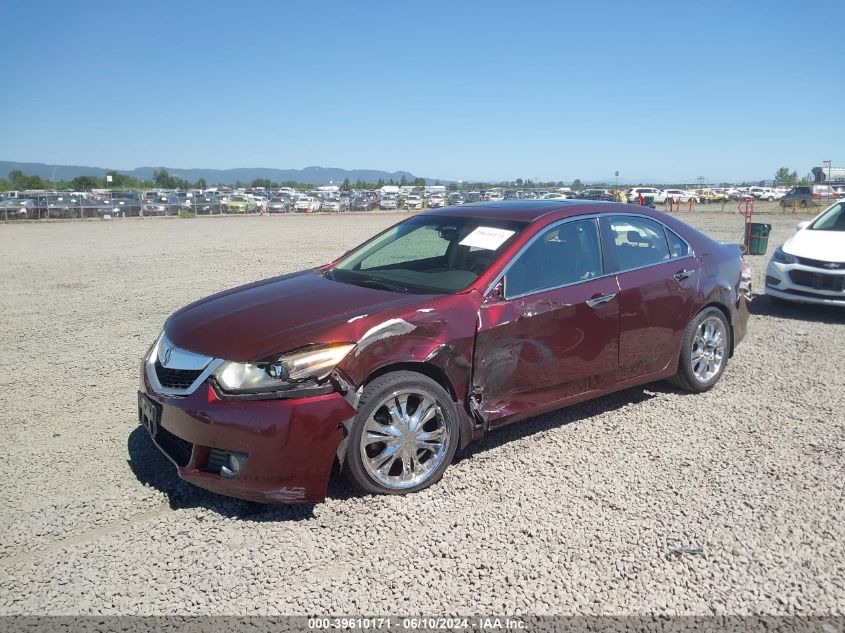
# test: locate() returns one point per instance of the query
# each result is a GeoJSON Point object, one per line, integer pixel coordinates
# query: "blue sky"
{"type": "Point", "coordinates": [455, 90]}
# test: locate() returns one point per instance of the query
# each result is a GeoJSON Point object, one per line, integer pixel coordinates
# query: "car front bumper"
{"type": "Point", "coordinates": [289, 445]}
{"type": "Point", "coordinates": [805, 284]}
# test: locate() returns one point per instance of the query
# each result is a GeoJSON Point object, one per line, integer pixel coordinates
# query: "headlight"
{"type": "Point", "coordinates": [314, 363]}
{"type": "Point", "coordinates": [782, 257]}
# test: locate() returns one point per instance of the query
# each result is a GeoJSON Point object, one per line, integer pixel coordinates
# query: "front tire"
{"type": "Point", "coordinates": [704, 352]}
{"type": "Point", "coordinates": [404, 435]}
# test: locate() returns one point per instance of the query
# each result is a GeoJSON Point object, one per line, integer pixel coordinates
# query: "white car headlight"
{"type": "Point", "coordinates": [782, 257]}
{"type": "Point", "coordinates": [314, 363]}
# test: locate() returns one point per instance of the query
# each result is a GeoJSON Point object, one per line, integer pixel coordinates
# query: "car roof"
{"type": "Point", "coordinates": [527, 210]}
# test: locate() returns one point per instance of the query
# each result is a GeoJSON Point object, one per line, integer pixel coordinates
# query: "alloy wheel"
{"type": "Point", "coordinates": [404, 440]}
{"type": "Point", "coordinates": [708, 349]}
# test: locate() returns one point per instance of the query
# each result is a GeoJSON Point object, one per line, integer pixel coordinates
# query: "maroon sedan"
{"type": "Point", "coordinates": [447, 325]}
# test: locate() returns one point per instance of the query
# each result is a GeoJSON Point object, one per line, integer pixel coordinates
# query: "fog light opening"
{"type": "Point", "coordinates": [772, 281]}
{"type": "Point", "coordinates": [234, 464]}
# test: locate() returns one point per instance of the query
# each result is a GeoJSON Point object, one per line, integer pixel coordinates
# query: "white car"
{"type": "Point", "coordinates": [307, 204]}
{"type": "Point", "coordinates": [675, 195]}
{"type": "Point", "coordinates": [436, 201]}
{"type": "Point", "coordinates": [810, 266]}
{"type": "Point", "coordinates": [632, 195]}
{"type": "Point", "coordinates": [554, 195]}
{"type": "Point", "coordinates": [414, 201]}
{"type": "Point", "coordinates": [767, 194]}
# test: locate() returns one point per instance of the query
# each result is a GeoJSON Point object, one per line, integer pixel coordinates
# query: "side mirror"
{"type": "Point", "coordinates": [802, 225]}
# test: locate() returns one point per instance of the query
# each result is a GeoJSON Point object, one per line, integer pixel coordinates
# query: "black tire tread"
{"type": "Point", "coordinates": [682, 379]}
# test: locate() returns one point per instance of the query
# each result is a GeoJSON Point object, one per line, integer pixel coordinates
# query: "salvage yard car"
{"type": "Point", "coordinates": [414, 201]}
{"type": "Point", "coordinates": [307, 204]}
{"type": "Point", "coordinates": [454, 322]}
{"type": "Point", "coordinates": [278, 205]}
{"type": "Point", "coordinates": [388, 203]}
{"type": "Point", "coordinates": [332, 205]}
{"type": "Point", "coordinates": [810, 266]}
{"type": "Point", "coordinates": [238, 204]}
{"type": "Point", "coordinates": [436, 201]}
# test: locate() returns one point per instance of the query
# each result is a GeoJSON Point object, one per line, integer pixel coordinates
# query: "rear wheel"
{"type": "Point", "coordinates": [704, 351]}
{"type": "Point", "coordinates": [404, 435]}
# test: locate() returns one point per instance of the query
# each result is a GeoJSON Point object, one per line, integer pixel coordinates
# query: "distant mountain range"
{"type": "Point", "coordinates": [310, 175]}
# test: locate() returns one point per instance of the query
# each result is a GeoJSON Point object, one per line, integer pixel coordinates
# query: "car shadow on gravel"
{"type": "Point", "coordinates": [568, 415]}
{"type": "Point", "coordinates": [154, 469]}
{"type": "Point", "coordinates": [762, 305]}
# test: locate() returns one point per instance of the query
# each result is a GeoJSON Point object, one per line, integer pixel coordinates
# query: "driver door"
{"type": "Point", "coordinates": [552, 332]}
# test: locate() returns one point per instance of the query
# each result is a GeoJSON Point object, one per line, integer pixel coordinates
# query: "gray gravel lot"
{"type": "Point", "coordinates": [646, 501]}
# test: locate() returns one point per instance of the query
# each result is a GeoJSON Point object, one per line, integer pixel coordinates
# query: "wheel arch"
{"type": "Point", "coordinates": [430, 370]}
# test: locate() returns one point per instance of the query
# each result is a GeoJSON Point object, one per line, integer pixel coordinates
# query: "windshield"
{"type": "Point", "coordinates": [428, 254]}
{"type": "Point", "coordinates": [831, 220]}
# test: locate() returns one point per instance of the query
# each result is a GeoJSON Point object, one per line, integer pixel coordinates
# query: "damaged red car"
{"type": "Point", "coordinates": [454, 322]}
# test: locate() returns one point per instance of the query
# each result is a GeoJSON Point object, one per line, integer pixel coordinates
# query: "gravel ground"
{"type": "Point", "coordinates": [646, 501]}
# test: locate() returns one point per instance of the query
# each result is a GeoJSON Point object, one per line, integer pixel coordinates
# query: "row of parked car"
{"type": "Point", "coordinates": [58, 204]}
{"type": "Point", "coordinates": [801, 195]}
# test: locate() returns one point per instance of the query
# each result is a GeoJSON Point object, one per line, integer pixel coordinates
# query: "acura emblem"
{"type": "Point", "coordinates": [831, 265]}
{"type": "Point", "coordinates": [166, 359]}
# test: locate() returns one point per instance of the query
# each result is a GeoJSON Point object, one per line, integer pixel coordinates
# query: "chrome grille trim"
{"type": "Point", "coordinates": [178, 358]}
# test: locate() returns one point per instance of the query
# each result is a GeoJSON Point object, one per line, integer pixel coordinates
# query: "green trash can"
{"type": "Point", "coordinates": [648, 201]}
{"type": "Point", "coordinates": [758, 238]}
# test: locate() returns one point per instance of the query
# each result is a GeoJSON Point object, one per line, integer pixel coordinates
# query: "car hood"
{"type": "Point", "coordinates": [280, 314]}
{"type": "Point", "coordinates": [826, 246]}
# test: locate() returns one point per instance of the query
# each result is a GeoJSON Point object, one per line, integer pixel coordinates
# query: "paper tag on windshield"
{"type": "Point", "coordinates": [487, 237]}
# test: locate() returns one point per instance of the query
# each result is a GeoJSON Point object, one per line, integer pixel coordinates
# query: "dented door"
{"type": "Point", "coordinates": [534, 351]}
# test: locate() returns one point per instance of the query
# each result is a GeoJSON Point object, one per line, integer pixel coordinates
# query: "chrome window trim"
{"type": "Point", "coordinates": [211, 365]}
{"type": "Point", "coordinates": [597, 217]}
{"type": "Point", "coordinates": [528, 244]}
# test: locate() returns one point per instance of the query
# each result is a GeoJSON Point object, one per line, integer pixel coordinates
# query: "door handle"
{"type": "Point", "coordinates": [683, 274]}
{"type": "Point", "coordinates": [600, 299]}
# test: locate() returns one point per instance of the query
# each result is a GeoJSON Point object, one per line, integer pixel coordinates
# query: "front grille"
{"type": "Point", "coordinates": [177, 449]}
{"type": "Point", "coordinates": [175, 378]}
{"type": "Point", "coordinates": [818, 281]}
{"type": "Point", "coordinates": [818, 263]}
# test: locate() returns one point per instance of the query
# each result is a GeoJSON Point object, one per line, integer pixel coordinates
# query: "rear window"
{"type": "Point", "coordinates": [677, 246]}
{"type": "Point", "coordinates": [639, 242]}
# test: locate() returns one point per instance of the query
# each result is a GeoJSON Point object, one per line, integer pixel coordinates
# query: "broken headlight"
{"type": "Point", "coordinates": [311, 364]}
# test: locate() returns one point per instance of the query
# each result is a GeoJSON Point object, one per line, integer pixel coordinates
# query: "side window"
{"type": "Point", "coordinates": [639, 241]}
{"type": "Point", "coordinates": [563, 255]}
{"type": "Point", "coordinates": [677, 246]}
